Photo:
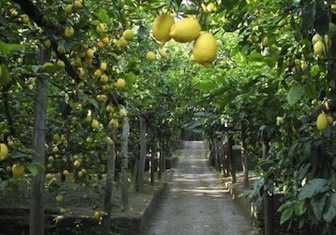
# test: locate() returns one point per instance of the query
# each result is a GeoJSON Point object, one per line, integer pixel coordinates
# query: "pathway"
{"type": "Point", "coordinates": [196, 202]}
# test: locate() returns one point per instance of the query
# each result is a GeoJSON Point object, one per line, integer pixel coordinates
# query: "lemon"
{"type": "Point", "coordinates": [150, 56]}
{"type": "Point", "coordinates": [103, 66]}
{"type": "Point", "coordinates": [95, 124]}
{"type": "Point", "coordinates": [205, 49]}
{"type": "Point", "coordinates": [322, 122]}
{"type": "Point", "coordinates": [211, 7]}
{"type": "Point", "coordinates": [60, 63]}
{"type": "Point", "coordinates": [264, 41]}
{"type": "Point", "coordinates": [98, 73]}
{"type": "Point", "coordinates": [123, 112]}
{"type": "Point", "coordinates": [318, 48]}
{"type": "Point", "coordinates": [114, 123]}
{"type": "Point", "coordinates": [66, 173]}
{"type": "Point", "coordinates": [59, 198]}
{"type": "Point", "coordinates": [128, 35]}
{"type": "Point", "coordinates": [162, 52]}
{"type": "Point", "coordinates": [122, 42]}
{"type": "Point", "coordinates": [89, 53]}
{"type": "Point", "coordinates": [161, 27]}
{"type": "Point", "coordinates": [121, 83]}
{"type": "Point", "coordinates": [330, 120]}
{"type": "Point", "coordinates": [69, 31]}
{"type": "Point", "coordinates": [18, 170]}
{"type": "Point", "coordinates": [3, 151]}
{"type": "Point", "coordinates": [185, 30]}
{"type": "Point", "coordinates": [77, 163]}
{"type": "Point", "coordinates": [317, 37]}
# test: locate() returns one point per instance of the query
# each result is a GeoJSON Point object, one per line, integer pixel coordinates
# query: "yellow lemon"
{"type": "Point", "coordinates": [211, 7]}
{"type": "Point", "coordinates": [322, 122]}
{"type": "Point", "coordinates": [318, 48]}
{"type": "Point", "coordinates": [161, 27]}
{"type": "Point", "coordinates": [69, 31]}
{"type": "Point", "coordinates": [317, 37]}
{"type": "Point", "coordinates": [3, 151]}
{"type": "Point", "coordinates": [185, 30]}
{"type": "Point", "coordinates": [18, 170]}
{"type": "Point", "coordinates": [95, 124]}
{"type": "Point", "coordinates": [205, 49]}
{"type": "Point", "coordinates": [121, 83]}
{"type": "Point", "coordinates": [162, 52]}
{"type": "Point", "coordinates": [330, 120]}
{"type": "Point", "coordinates": [123, 112]}
{"type": "Point", "coordinates": [150, 56]}
{"type": "Point", "coordinates": [128, 35]}
{"type": "Point", "coordinates": [122, 42]}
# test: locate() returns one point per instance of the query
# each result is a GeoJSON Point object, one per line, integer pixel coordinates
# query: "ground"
{"type": "Point", "coordinates": [196, 201]}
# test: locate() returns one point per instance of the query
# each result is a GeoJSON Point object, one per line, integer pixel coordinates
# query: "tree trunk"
{"type": "Point", "coordinates": [268, 198]}
{"type": "Point", "coordinates": [244, 155]}
{"type": "Point", "coordinates": [124, 170]}
{"type": "Point", "coordinates": [110, 170]}
{"type": "Point", "coordinates": [231, 160]}
{"type": "Point", "coordinates": [215, 147]}
{"type": "Point", "coordinates": [152, 166]}
{"type": "Point", "coordinates": [161, 158]}
{"type": "Point", "coordinates": [143, 151]}
{"type": "Point", "coordinates": [37, 195]}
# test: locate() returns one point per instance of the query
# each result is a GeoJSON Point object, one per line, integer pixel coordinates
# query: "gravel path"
{"type": "Point", "coordinates": [196, 203]}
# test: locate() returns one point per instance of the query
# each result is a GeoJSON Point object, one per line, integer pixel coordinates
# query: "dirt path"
{"type": "Point", "coordinates": [196, 203]}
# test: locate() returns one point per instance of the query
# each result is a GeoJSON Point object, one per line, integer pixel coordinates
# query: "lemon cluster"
{"type": "Point", "coordinates": [323, 121]}
{"type": "Point", "coordinates": [186, 30]}
{"type": "Point", "coordinates": [320, 44]}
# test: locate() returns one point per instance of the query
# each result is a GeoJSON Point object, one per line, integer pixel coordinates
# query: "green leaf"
{"type": "Point", "coordinates": [318, 204]}
{"type": "Point", "coordinates": [299, 208]}
{"type": "Point", "coordinates": [329, 211]}
{"type": "Point", "coordinates": [287, 214]}
{"type": "Point", "coordinates": [103, 16]}
{"type": "Point", "coordinates": [313, 187]}
{"type": "Point", "coordinates": [35, 168]}
{"type": "Point", "coordinates": [7, 48]}
{"type": "Point", "coordinates": [295, 94]}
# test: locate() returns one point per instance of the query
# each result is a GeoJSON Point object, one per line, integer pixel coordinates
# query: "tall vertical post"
{"type": "Point", "coordinates": [40, 116]}
{"type": "Point", "coordinates": [110, 171]}
{"type": "Point", "coordinates": [124, 153]}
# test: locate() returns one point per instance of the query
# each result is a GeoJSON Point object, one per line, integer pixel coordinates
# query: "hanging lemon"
{"type": "Point", "coordinates": [185, 30]}
{"type": "Point", "coordinates": [322, 122]}
{"type": "Point", "coordinates": [161, 27]}
{"type": "Point", "coordinates": [204, 50]}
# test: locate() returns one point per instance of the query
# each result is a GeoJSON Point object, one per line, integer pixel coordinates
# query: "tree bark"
{"type": "Point", "coordinates": [231, 160]}
{"type": "Point", "coordinates": [268, 197]}
{"type": "Point", "coordinates": [143, 151]}
{"type": "Point", "coordinates": [40, 117]}
{"type": "Point", "coordinates": [244, 155]}
{"type": "Point", "coordinates": [124, 154]}
{"type": "Point", "coordinates": [110, 170]}
{"type": "Point", "coordinates": [152, 168]}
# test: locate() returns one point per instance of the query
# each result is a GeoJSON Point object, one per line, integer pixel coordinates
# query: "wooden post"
{"type": "Point", "coordinates": [143, 150]}
{"type": "Point", "coordinates": [124, 170]}
{"type": "Point", "coordinates": [40, 118]}
{"type": "Point", "coordinates": [110, 170]}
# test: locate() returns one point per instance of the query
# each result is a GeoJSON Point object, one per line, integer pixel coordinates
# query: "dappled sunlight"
{"type": "Point", "coordinates": [202, 191]}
